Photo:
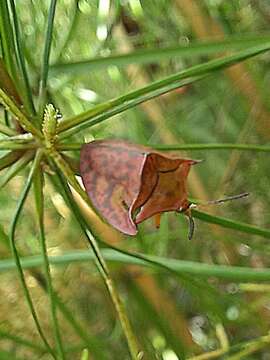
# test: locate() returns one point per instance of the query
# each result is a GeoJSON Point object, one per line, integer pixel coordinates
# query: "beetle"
{"type": "Point", "coordinates": [129, 183]}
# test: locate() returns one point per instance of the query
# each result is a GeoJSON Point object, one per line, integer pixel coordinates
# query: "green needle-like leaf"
{"type": "Point", "coordinates": [15, 167]}
{"type": "Point", "coordinates": [156, 55]}
{"type": "Point", "coordinates": [6, 130]}
{"type": "Point", "coordinates": [131, 99]}
{"type": "Point", "coordinates": [231, 224]}
{"type": "Point", "coordinates": [175, 147]}
{"type": "Point", "coordinates": [39, 198]}
{"type": "Point", "coordinates": [20, 59]}
{"type": "Point", "coordinates": [7, 84]}
{"type": "Point", "coordinates": [7, 40]}
{"type": "Point", "coordinates": [230, 273]}
{"type": "Point", "coordinates": [20, 142]}
{"type": "Point", "coordinates": [18, 114]}
{"type": "Point", "coordinates": [219, 146]}
{"type": "Point", "coordinates": [21, 341]}
{"type": "Point", "coordinates": [46, 56]}
{"type": "Point", "coordinates": [9, 159]}
{"type": "Point", "coordinates": [16, 255]}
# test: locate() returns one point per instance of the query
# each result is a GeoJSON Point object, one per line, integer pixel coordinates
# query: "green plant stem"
{"type": "Point", "coordinates": [104, 271]}
{"type": "Point", "coordinates": [20, 60]}
{"type": "Point", "coordinates": [194, 71]}
{"type": "Point", "coordinates": [65, 168]}
{"type": "Point", "coordinates": [157, 54]}
{"type": "Point", "coordinates": [231, 224]}
{"type": "Point", "coordinates": [19, 142]}
{"type": "Point", "coordinates": [16, 255]}
{"type": "Point", "coordinates": [39, 198]}
{"type": "Point", "coordinates": [202, 270]}
{"type": "Point", "coordinates": [6, 130]}
{"type": "Point", "coordinates": [14, 145]}
{"type": "Point", "coordinates": [19, 115]}
{"type": "Point", "coordinates": [16, 166]}
{"type": "Point", "coordinates": [9, 159]}
{"type": "Point", "coordinates": [46, 56]}
{"type": "Point", "coordinates": [7, 84]}
{"type": "Point", "coordinates": [22, 341]}
{"type": "Point", "coordinates": [219, 146]}
{"type": "Point", "coordinates": [7, 40]}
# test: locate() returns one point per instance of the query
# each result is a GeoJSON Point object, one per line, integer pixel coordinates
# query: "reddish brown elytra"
{"type": "Point", "coordinates": [130, 183]}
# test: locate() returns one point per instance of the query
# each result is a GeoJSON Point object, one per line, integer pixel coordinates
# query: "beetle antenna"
{"type": "Point", "coordinates": [191, 227]}
{"type": "Point", "coordinates": [220, 201]}
{"type": "Point", "coordinates": [229, 198]}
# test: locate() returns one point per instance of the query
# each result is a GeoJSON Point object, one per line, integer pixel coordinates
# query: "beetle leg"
{"type": "Point", "coordinates": [157, 219]}
{"type": "Point", "coordinates": [191, 227]}
{"type": "Point", "coordinates": [191, 221]}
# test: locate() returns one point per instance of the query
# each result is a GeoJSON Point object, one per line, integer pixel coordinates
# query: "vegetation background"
{"type": "Point", "coordinates": [167, 65]}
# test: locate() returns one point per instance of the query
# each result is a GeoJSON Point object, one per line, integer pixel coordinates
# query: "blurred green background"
{"type": "Point", "coordinates": [174, 314]}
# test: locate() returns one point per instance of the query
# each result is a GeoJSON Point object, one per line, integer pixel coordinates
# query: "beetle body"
{"type": "Point", "coordinates": [130, 183]}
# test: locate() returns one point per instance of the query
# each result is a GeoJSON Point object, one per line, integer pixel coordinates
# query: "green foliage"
{"type": "Point", "coordinates": [63, 75]}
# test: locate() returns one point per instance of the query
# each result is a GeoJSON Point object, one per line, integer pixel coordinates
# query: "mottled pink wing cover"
{"type": "Point", "coordinates": [111, 170]}
{"type": "Point", "coordinates": [121, 178]}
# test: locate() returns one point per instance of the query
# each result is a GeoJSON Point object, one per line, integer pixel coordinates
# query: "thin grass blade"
{"type": "Point", "coordinates": [9, 159]}
{"type": "Point", "coordinates": [156, 55]}
{"type": "Point", "coordinates": [231, 273]}
{"type": "Point", "coordinates": [25, 123]}
{"type": "Point", "coordinates": [16, 255]}
{"type": "Point", "coordinates": [8, 85]}
{"type": "Point", "coordinates": [46, 56]}
{"type": "Point", "coordinates": [231, 224]}
{"type": "Point", "coordinates": [7, 40]}
{"type": "Point", "coordinates": [131, 98]}
{"type": "Point", "coordinates": [39, 199]}
{"type": "Point", "coordinates": [22, 341]}
{"type": "Point", "coordinates": [6, 130]}
{"type": "Point", "coordinates": [21, 62]}
{"type": "Point", "coordinates": [15, 168]}
{"type": "Point", "coordinates": [208, 146]}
